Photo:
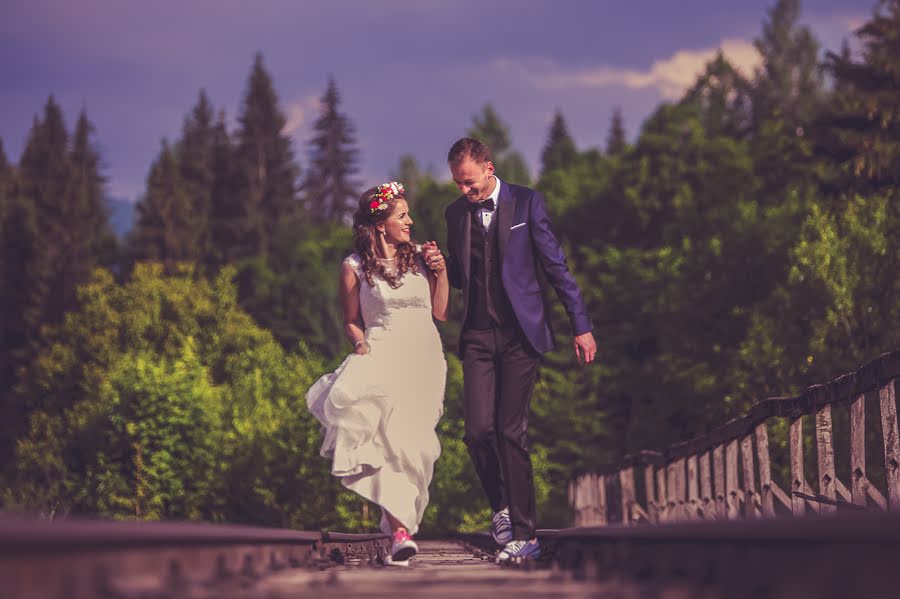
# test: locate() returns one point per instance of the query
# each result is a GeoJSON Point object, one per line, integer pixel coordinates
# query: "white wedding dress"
{"type": "Point", "coordinates": [379, 410]}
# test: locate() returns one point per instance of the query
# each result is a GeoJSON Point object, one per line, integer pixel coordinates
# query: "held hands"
{"type": "Point", "coordinates": [585, 348]}
{"type": "Point", "coordinates": [433, 256]}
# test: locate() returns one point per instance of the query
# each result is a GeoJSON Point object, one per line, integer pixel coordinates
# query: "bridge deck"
{"type": "Point", "coordinates": [442, 569]}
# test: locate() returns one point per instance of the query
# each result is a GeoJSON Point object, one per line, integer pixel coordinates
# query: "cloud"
{"type": "Point", "coordinates": [669, 76]}
{"type": "Point", "coordinates": [300, 114]}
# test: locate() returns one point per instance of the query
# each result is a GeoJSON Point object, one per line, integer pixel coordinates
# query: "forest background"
{"type": "Point", "coordinates": [743, 246]}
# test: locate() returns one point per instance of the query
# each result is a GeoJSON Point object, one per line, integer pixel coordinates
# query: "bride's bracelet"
{"type": "Point", "coordinates": [360, 342]}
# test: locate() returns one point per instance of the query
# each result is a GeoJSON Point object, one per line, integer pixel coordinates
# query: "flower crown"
{"type": "Point", "coordinates": [384, 193]}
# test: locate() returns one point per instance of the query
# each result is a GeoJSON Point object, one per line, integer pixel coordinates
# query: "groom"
{"type": "Point", "coordinates": [498, 237]}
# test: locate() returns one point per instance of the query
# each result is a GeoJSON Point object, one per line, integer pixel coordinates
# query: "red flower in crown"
{"type": "Point", "coordinates": [383, 194]}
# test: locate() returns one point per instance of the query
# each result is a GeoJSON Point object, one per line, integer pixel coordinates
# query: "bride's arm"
{"type": "Point", "coordinates": [354, 327]}
{"type": "Point", "coordinates": [440, 288]}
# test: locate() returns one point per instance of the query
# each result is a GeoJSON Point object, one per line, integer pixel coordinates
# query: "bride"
{"type": "Point", "coordinates": [380, 407]}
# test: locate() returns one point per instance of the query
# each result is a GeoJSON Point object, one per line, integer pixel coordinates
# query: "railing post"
{"type": "Point", "coordinates": [732, 496]}
{"type": "Point", "coordinates": [661, 497]}
{"type": "Point", "coordinates": [798, 482]}
{"type": "Point", "coordinates": [708, 500]}
{"type": "Point", "coordinates": [602, 516]}
{"type": "Point", "coordinates": [765, 471]}
{"type": "Point", "coordinates": [825, 454]}
{"type": "Point", "coordinates": [719, 468]}
{"type": "Point", "coordinates": [860, 487]}
{"type": "Point", "coordinates": [887, 400]}
{"type": "Point", "coordinates": [626, 482]}
{"type": "Point", "coordinates": [680, 489]}
{"type": "Point", "coordinates": [750, 496]}
{"type": "Point", "coordinates": [672, 493]}
{"type": "Point", "coordinates": [652, 511]}
{"type": "Point", "coordinates": [692, 511]}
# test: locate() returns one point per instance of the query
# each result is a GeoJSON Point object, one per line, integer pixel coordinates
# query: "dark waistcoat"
{"type": "Point", "coordinates": [488, 305]}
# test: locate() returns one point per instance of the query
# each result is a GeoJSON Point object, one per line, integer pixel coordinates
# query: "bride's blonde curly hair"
{"type": "Point", "coordinates": [365, 237]}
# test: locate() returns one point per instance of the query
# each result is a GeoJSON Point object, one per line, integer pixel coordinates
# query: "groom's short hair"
{"type": "Point", "coordinates": [468, 147]}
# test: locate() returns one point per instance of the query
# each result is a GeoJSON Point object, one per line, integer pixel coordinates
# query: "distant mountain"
{"type": "Point", "coordinates": [121, 215]}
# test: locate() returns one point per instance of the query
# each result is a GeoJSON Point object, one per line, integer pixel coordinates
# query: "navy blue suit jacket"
{"type": "Point", "coordinates": [526, 244]}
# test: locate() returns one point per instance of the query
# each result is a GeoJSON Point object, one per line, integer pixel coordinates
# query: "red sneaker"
{"type": "Point", "coordinates": [403, 547]}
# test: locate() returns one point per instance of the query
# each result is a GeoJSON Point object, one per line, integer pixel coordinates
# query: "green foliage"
{"type": "Point", "coordinates": [293, 292]}
{"type": "Point", "coordinates": [162, 399]}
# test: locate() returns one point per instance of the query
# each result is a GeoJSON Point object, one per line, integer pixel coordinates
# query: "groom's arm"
{"type": "Point", "coordinates": [553, 263]}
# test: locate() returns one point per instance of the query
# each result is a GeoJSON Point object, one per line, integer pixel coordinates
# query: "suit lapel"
{"type": "Point", "coordinates": [465, 250]}
{"type": "Point", "coordinates": [506, 209]}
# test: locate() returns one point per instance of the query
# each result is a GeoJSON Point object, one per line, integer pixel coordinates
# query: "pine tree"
{"type": "Point", "coordinates": [19, 289]}
{"type": "Point", "coordinates": [5, 178]}
{"type": "Point", "coordinates": [329, 188]}
{"type": "Point", "coordinates": [266, 174]}
{"type": "Point", "coordinates": [409, 173]}
{"type": "Point", "coordinates": [46, 175]}
{"type": "Point", "coordinates": [787, 95]}
{"type": "Point", "coordinates": [615, 140]}
{"type": "Point", "coordinates": [225, 210]}
{"type": "Point", "coordinates": [789, 84]}
{"type": "Point", "coordinates": [559, 151]}
{"type": "Point", "coordinates": [164, 226]}
{"type": "Point", "coordinates": [196, 155]}
{"type": "Point", "coordinates": [489, 129]}
{"type": "Point", "coordinates": [6, 184]}
{"type": "Point", "coordinates": [54, 230]}
{"type": "Point", "coordinates": [863, 127]}
{"type": "Point", "coordinates": [724, 97]}
{"type": "Point", "coordinates": [93, 240]}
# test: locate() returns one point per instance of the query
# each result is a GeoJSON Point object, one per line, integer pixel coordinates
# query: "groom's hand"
{"type": "Point", "coordinates": [433, 256]}
{"type": "Point", "coordinates": [585, 348]}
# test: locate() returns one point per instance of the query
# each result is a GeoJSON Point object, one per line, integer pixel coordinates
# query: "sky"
{"type": "Point", "coordinates": [411, 73]}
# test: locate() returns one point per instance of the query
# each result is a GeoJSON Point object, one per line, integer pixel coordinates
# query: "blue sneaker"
{"type": "Point", "coordinates": [520, 551]}
{"type": "Point", "coordinates": [501, 527]}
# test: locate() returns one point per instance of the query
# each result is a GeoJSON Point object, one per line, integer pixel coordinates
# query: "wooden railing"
{"type": "Point", "coordinates": [728, 474]}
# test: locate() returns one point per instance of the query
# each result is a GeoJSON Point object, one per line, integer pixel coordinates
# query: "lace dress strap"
{"type": "Point", "coordinates": [355, 262]}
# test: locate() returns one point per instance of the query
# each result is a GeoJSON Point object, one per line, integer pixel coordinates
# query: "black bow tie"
{"type": "Point", "coordinates": [487, 204]}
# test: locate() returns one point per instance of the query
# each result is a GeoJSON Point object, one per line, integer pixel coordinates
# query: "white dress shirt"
{"type": "Point", "coordinates": [487, 215]}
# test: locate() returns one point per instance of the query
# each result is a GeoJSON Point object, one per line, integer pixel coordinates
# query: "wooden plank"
{"type": "Point", "coordinates": [798, 482]}
{"type": "Point", "coordinates": [626, 483]}
{"type": "Point", "coordinates": [825, 454]}
{"type": "Point", "coordinates": [877, 497]}
{"type": "Point", "coordinates": [719, 473]}
{"type": "Point", "coordinates": [887, 399]}
{"type": "Point", "coordinates": [858, 479]}
{"type": "Point", "coordinates": [693, 489]}
{"type": "Point", "coordinates": [672, 493]}
{"type": "Point", "coordinates": [571, 497]}
{"type": "Point", "coordinates": [732, 486]}
{"type": "Point", "coordinates": [765, 470]}
{"type": "Point", "coordinates": [661, 494]}
{"type": "Point", "coordinates": [707, 501]}
{"type": "Point", "coordinates": [680, 489]}
{"type": "Point", "coordinates": [652, 511]}
{"type": "Point", "coordinates": [781, 495]}
{"type": "Point", "coordinates": [751, 498]}
{"type": "Point", "coordinates": [601, 517]}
